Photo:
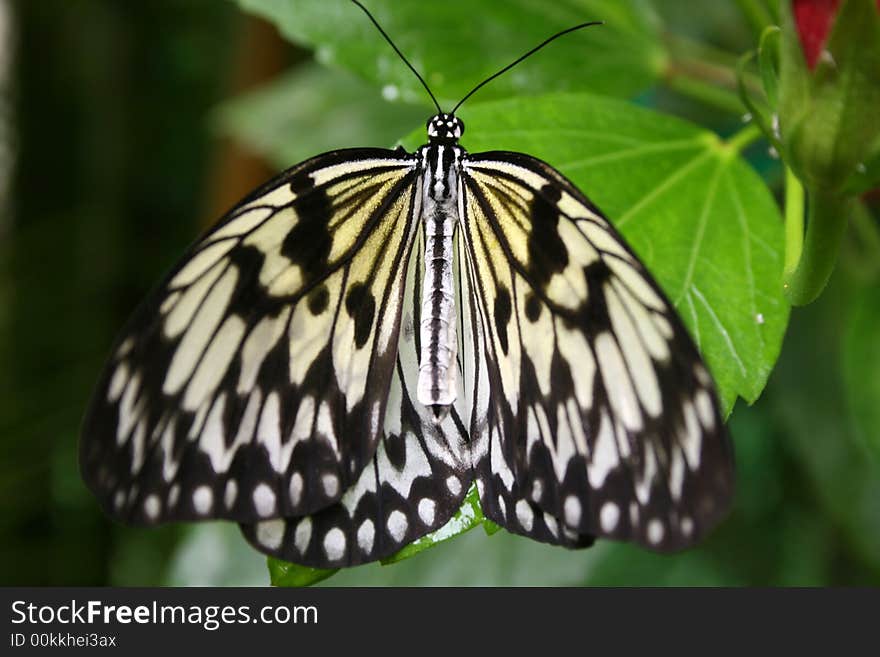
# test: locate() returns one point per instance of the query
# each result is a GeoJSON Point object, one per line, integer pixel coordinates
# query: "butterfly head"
{"type": "Point", "coordinates": [445, 128]}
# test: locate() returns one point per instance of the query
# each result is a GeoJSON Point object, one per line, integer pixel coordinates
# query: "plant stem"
{"type": "Point", "coordinates": [741, 140]}
{"type": "Point", "coordinates": [757, 13]}
{"type": "Point", "coordinates": [826, 222]}
{"type": "Point", "coordinates": [706, 93]}
{"type": "Point", "coordinates": [794, 222]}
{"type": "Point", "coordinates": [705, 74]}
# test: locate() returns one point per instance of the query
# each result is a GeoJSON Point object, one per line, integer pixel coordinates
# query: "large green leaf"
{"type": "Point", "coordinates": [699, 217]}
{"type": "Point", "coordinates": [457, 43]}
{"type": "Point", "coordinates": [703, 222]}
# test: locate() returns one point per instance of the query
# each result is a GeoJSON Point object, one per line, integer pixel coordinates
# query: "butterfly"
{"type": "Point", "coordinates": [364, 338]}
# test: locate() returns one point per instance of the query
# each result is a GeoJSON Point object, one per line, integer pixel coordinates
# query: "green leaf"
{"type": "Point", "coordinates": [457, 43]}
{"type": "Point", "coordinates": [861, 365]}
{"type": "Point", "coordinates": [699, 217]}
{"type": "Point", "coordinates": [312, 110]}
{"type": "Point", "coordinates": [282, 573]}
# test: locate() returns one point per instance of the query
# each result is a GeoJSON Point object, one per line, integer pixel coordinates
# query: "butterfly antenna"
{"type": "Point", "coordinates": [528, 54]}
{"type": "Point", "coordinates": [400, 54]}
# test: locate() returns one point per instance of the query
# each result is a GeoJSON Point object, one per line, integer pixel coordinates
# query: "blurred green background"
{"type": "Point", "coordinates": [119, 142]}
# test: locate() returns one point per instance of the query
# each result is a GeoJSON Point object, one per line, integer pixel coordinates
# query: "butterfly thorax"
{"type": "Point", "coordinates": [440, 164]}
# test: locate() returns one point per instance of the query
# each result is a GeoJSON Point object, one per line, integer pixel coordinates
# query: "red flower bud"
{"type": "Point", "coordinates": [814, 19]}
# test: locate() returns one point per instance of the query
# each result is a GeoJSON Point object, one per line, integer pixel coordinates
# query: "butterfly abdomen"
{"type": "Point", "coordinates": [436, 386]}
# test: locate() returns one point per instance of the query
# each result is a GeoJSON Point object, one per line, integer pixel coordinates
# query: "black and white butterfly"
{"type": "Point", "coordinates": [365, 337]}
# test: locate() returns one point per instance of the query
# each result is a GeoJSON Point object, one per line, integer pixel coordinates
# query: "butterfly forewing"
{"type": "Point", "coordinates": [600, 411]}
{"type": "Point", "coordinates": [416, 481]}
{"type": "Point", "coordinates": [239, 389]}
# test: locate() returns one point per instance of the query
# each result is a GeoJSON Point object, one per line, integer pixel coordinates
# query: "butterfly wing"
{"type": "Point", "coordinates": [252, 383]}
{"type": "Point", "coordinates": [416, 481]}
{"type": "Point", "coordinates": [492, 454]}
{"type": "Point", "coordinates": [596, 407]}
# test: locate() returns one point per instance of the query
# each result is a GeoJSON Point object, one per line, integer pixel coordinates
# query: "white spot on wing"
{"type": "Point", "coordinates": [552, 525]}
{"type": "Point", "coordinates": [173, 495]}
{"type": "Point", "coordinates": [302, 534]}
{"type": "Point", "coordinates": [334, 544]}
{"type": "Point", "coordinates": [655, 531]}
{"type": "Point", "coordinates": [152, 506]}
{"type": "Point", "coordinates": [296, 488]}
{"type": "Point", "coordinates": [203, 500]}
{"type": "Point", "coordinates": [230, 493]}
{"type": "Point", "coordinates": [525, 515]}
{"type": "Point", "coordinates": [365, 535]}
{"type": "Point", "coordinates": [397, 525]}
{"type": "Point", "coordinates": [330, 482]}
{"type": "Point", "coordinates": [687, 526]}
{"type": "Point", "coordinates": [705, 409]}
{"type": "Point", "coordinates": [609, 515]}
{"type": "Point", "coordinates": [427, 508]}
{"type": "Point", "coordinates": [264, 500]}
{"type": "Point", "coordinates": [572, 511]}
{"type": "Point", "coordinates": [537, 490]}
{"type": "Point", "coordinates": [702, 374]}
{"type": "Point", "coordinates": [270, 533]}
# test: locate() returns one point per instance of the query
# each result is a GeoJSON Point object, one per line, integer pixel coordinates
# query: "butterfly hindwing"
{"type": "Point", "coordinates": [415, 482]}
{"type": "Point", "coordinates": [602, 413]}
{"type": "Point", "coordinates": [239, 389]}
